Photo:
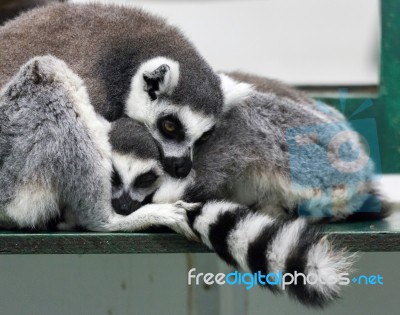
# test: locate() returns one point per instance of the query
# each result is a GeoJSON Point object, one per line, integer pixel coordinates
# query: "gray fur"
{"type": "Point", "coordinates": [266, 85]}
{"type": "Point", "coordinates": [111, 48]}
{"type": "Point", "coordinates": [250, 159]}
{"type": "Point", "coordinates": [253, 241]}
{"type": "Point", "coordinates": [129, 136]}
{"type": "Point", "coordinates": [55, 159]}
{"type": "Point", "coordinates": [105, 45]}
{"type": "Point", "coordinates": [9, 9]}
{"type": "Point", "coordinates": [43, 142]}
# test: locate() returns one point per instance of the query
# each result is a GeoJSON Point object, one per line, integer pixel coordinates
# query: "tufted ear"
{"type": "Point", "coordinates": [155, 77]}
{"type": "Point", "coordinates": [157, 81]}
{"type": "Point", "coordinates": [160, 76]}
{"type": "Point", "coordinates": [234, 92]}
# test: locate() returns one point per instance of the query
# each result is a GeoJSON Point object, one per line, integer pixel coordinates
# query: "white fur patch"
{"type": "Point", "coordinates": [209, 215]}
{"type": "Point", "coordinates": [172, 189]}
{"type": "Point", "coordinates": [246, 231]}
{"type": "Point", "coordinates": [33, 205]}
{"type": "Point", "coordinates": [284, 242]}
{"type": "Point", "coordinates": [234, 92]}
{"type": "Point", "coordinates": [327, 264]}
{"type": "Point", "coordinates": [170, 215]}
{"type": "Point", "coordinates": [194, 123]}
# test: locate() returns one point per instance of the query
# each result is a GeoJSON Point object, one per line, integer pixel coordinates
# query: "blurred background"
{"type": "Point", "coordinates": [308, 42]}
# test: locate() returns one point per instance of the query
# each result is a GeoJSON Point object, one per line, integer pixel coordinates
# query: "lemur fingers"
{"type": "Point", "coordinates": [172, 216]}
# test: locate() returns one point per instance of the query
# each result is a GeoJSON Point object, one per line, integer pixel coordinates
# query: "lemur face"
{"type": "Point", "coordinates": [137, 170]}
{"type": "Point", "coordinates": [176, 128]}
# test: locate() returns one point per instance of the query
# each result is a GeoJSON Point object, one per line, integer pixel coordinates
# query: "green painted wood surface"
{"type": "Point", "coordinates": [361, 236]}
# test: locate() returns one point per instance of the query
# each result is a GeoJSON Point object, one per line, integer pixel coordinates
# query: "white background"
{"type": "Point", "coordinates": [299, 41]}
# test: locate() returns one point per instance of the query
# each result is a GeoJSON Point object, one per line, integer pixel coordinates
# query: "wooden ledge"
{"type": "Point", "coordinates": [372, 236]}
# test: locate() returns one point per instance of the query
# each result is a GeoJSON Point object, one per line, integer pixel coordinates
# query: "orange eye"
{"type": "Point", "coordinates": [169, 126]}
{"type": "Point", "coordinates": [205, 137]}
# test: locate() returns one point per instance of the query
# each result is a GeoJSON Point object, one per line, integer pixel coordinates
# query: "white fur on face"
{"type": "Point", "coordinates": [194, 124]}
{"type": "Point", "coordinates": [129, 167]}
{"type": "Point", "coordinates": [139, 105]}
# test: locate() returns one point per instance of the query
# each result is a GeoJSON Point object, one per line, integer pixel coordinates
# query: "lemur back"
{"type": "Point", "coordinates": [105, 45]}
{"type": "Point", "coordinates": [283, 154]}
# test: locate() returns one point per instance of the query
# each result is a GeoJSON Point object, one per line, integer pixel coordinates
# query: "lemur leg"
{"type": "Point", "coordinates": [173, 216]}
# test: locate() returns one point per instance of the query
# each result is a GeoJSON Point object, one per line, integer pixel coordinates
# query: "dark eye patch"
{"type": "Point", "coordinates": [178, 134]}
{"type": "Point", "coordinates": [205, 136]}
{"type": "Point", "coordinates": [115, 178]}
{"type": "Point", "coordinates": [145, 180]}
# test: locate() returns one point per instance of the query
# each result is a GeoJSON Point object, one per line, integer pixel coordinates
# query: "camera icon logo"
{"type": "Point", "coordinates": [334, 163]}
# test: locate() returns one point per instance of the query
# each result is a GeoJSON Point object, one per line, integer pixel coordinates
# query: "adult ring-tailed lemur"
{"type": "Point", "coordinates": [272, 150]}
{"type": "Point", "coordinates": [131, 62]}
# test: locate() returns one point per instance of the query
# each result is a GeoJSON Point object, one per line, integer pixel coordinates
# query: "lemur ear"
{"type": "Point", "coordinates": [234, 92]}
{"type": "Point", "coordinates": [157, 81]}
{"type": "Point", "coordinates": [154, 77]}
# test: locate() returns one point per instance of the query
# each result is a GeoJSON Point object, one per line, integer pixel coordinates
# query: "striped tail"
{"type": "Point", "coordinates": [256, 243]}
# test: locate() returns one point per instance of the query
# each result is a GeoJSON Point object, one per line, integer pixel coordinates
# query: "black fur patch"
{"type": "Point", "coordinates": [219, 232]}
{"type": "Point", "coordinates": [257, 250]}
{"type": "Point", "coordinates": [117, 70]}
{"type": "Point", "coordinates": [297, 261]}
{"type": "Point", "coordinates": [178, 135]}
{"type": "Point", "coordinates": [192, 216]}
{"type": "Point", "coordinates": [195, 193]}
{"type": "Point", "coordinates": [373, 208]}
{"type": "Point", "coordinates": [153, 80]}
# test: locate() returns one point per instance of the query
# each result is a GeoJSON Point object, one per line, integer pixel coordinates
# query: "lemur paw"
{"type": "Point", "coordinates": [176, 219]}
{"type": "Point", "coordinates": [188, 206]}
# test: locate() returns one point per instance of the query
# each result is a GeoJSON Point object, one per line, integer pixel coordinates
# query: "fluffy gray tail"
{"type": "Point", "coordinates": [256, 243]}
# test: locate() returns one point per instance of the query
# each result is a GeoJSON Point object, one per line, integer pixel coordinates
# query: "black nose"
{"type": "Point", "coordinates": [125, 205]}
{"type": "Point", "coordinates": [178, 167]}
